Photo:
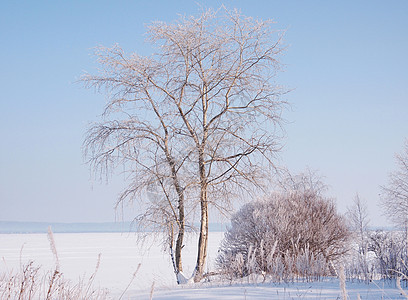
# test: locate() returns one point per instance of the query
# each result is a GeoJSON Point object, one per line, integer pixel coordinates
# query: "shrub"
{"type": "Point", "coordinates": [390, 252]}
{"type": "Point", "coordinates": [287, 235]}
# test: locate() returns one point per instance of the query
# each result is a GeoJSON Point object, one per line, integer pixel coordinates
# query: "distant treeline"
{"type": "Point", "coordinates": [42, 227]}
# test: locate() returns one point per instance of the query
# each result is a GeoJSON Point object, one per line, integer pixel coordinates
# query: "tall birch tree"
{"type": "Point", "coordinates": [196, 124]}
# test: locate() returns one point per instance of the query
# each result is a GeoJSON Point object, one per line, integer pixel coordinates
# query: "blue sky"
{"type": "Point", "coordinates": [346, 63]}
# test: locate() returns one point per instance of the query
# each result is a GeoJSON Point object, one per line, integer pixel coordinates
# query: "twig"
{"type": "Point", "coordinates": [400, 288]}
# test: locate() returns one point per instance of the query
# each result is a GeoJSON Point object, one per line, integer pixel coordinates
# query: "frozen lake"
{"type": "Point", "coordinates": [121, 254]}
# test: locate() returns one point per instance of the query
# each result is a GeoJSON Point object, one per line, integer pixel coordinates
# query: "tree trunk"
{"type": "Point", "coordinates": [203, 238]}
{"type": "Point", "coordinates": [178, 266]}
{"type": "Point", "coordinates": [180, 237]}
{"type": "Point", "coordinates": [176, 255]}
{"type": "Point", "coordinates": [406, 235]}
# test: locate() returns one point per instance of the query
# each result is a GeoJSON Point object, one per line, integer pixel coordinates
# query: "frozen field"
{"type": "Point", "coordinates": [121, 255]}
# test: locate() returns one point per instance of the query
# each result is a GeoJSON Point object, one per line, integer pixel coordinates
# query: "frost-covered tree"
{"type": "Point", "coordinates": [389, 248]}
{"type": "Point", "coordinates": [195, 124]}
{"type": "Point", "coordinates": [395, 194]}
{"type": "Point", "coordinates": [293, 232]}
{"type": "Point", "coordinates": [394, 199]}
{"type": "Point", "coordinates": [357, 216]}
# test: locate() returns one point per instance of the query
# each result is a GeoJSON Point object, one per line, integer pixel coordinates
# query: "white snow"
{"type": "Point", "coordinates": [121, 255]}
{"type": "Point", "coordinates": [318, 290]}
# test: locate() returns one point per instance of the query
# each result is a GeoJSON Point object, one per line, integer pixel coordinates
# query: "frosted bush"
{"type": "Point", "coordinates": [390, 250]}
{"type": "Point", "coordinates": [286, 236]}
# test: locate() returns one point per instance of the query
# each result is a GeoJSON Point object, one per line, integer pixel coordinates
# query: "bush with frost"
{"type": "Point", "coordinates": [390, 251]}
{"type": "Point", "coordinates": [296, 234]}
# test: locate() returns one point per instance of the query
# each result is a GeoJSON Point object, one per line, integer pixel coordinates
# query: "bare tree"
{"type": "Point", "coordinates": [358, 216]}
{"type": "Point", "coordinates": [198, 121]}
{"type": "Point", "coordinates": [308, 181]}
{"type": "Point", "coordinates": [149, 151]}
{"type": "Point", "coordinates": [395, 194]}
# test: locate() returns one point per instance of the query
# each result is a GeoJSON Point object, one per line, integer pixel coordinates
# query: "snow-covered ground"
{"type": "Point", "coordinates": [318, 290]}
{"type": "Point", "coordinates": [121, 255]}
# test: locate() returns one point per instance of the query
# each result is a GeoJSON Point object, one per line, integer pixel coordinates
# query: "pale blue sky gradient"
{"type": "Point", "coordinates": [346, 61]}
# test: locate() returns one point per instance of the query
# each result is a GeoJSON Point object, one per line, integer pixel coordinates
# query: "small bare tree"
{"type": "Point", "coordinates": [395, 194]}
{"type": "Point", "coordinates": [196, 124]}
{"type": "Point", "coordinates": [358, 216]}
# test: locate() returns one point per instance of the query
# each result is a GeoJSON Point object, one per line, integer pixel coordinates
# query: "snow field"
{"type": "Point", "coordinates": [327, 290]}
{"type": "Point", "coordinates": [121, 255]}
